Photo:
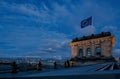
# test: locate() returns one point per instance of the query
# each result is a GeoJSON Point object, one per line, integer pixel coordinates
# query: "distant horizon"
{"type": "Point", "coordinates": [58, 57]}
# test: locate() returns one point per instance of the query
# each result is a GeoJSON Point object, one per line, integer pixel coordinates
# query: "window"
{"type": "Point", "coordinates": [80, 54]}
{"type": "Point", "coordinates": [98, 51]}
{"type": "Point", "coordinates": [89, 52]}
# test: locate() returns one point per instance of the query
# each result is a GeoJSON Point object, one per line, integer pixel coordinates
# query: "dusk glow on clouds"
{"type": "Point", "coordinates": [45, 27]}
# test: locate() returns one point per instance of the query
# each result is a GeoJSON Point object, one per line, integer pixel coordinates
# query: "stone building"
{"type": "Point", "coordinates": [93, 46]}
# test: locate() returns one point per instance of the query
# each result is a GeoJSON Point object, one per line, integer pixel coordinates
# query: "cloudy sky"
{"type": "Point", "coordinates": [45, 27]}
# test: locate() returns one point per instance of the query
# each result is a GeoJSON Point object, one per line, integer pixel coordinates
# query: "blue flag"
{"type": "Point", "coordinates": [86, 22]}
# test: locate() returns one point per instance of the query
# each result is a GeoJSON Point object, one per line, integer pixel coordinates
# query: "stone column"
{"type": "Point", "coordinates": [93, 49]}
{"type": "Point", "coordinates": [84, 50]}
{"type": "Point", "coordinates": [74, 51]}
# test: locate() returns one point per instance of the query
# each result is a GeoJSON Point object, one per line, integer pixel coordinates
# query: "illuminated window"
{"type": "Point", "coordinates": [89, 53]}
{"type": "Point", "coordinates": [98, 51]}
{"type": "Point", "coordinates": [80, 54]}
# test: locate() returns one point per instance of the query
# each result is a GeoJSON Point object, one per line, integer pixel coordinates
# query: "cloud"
{"type": "Point", "coordinates": [88, 30]}
{"type": "Point", "coordinates": [43, 27]}
{"type": "Point", "coordinates": [110, 28]}
{"type": "Point", "coordinates": [116, 53]}
{"type": "Point", "coordinates": [49, 50]}
{"type": "Point", "coordinates": [29, 41]}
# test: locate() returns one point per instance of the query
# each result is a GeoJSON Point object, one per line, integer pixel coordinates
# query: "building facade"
{"type": "Point", "coordinates": [95, 45]}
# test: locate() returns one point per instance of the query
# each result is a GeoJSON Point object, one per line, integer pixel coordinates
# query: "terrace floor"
{"type": "Point", "coordinates": [98, 71]}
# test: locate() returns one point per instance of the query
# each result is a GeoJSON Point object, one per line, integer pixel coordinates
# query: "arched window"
{"type": "Point", "coordinates": [80, 53]}
{"type": "Point", "coordinates": [89, 52]}
{"type": "Point", "coordinates": [98, 51]}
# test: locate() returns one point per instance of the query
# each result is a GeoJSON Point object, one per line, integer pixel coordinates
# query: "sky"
{"type": "Point", "coordinates": [44, 28]}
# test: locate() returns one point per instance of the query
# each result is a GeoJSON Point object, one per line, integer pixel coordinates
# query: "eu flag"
{"type": "Point", "coordinates": [86, 22]}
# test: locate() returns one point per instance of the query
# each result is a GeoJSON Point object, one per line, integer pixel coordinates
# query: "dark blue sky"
{"type": "Point", "coordinates": [45, 27]}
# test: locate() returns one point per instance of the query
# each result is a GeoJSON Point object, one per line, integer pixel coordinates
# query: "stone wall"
{"type": "Point", "coordinates": [106, 44]}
